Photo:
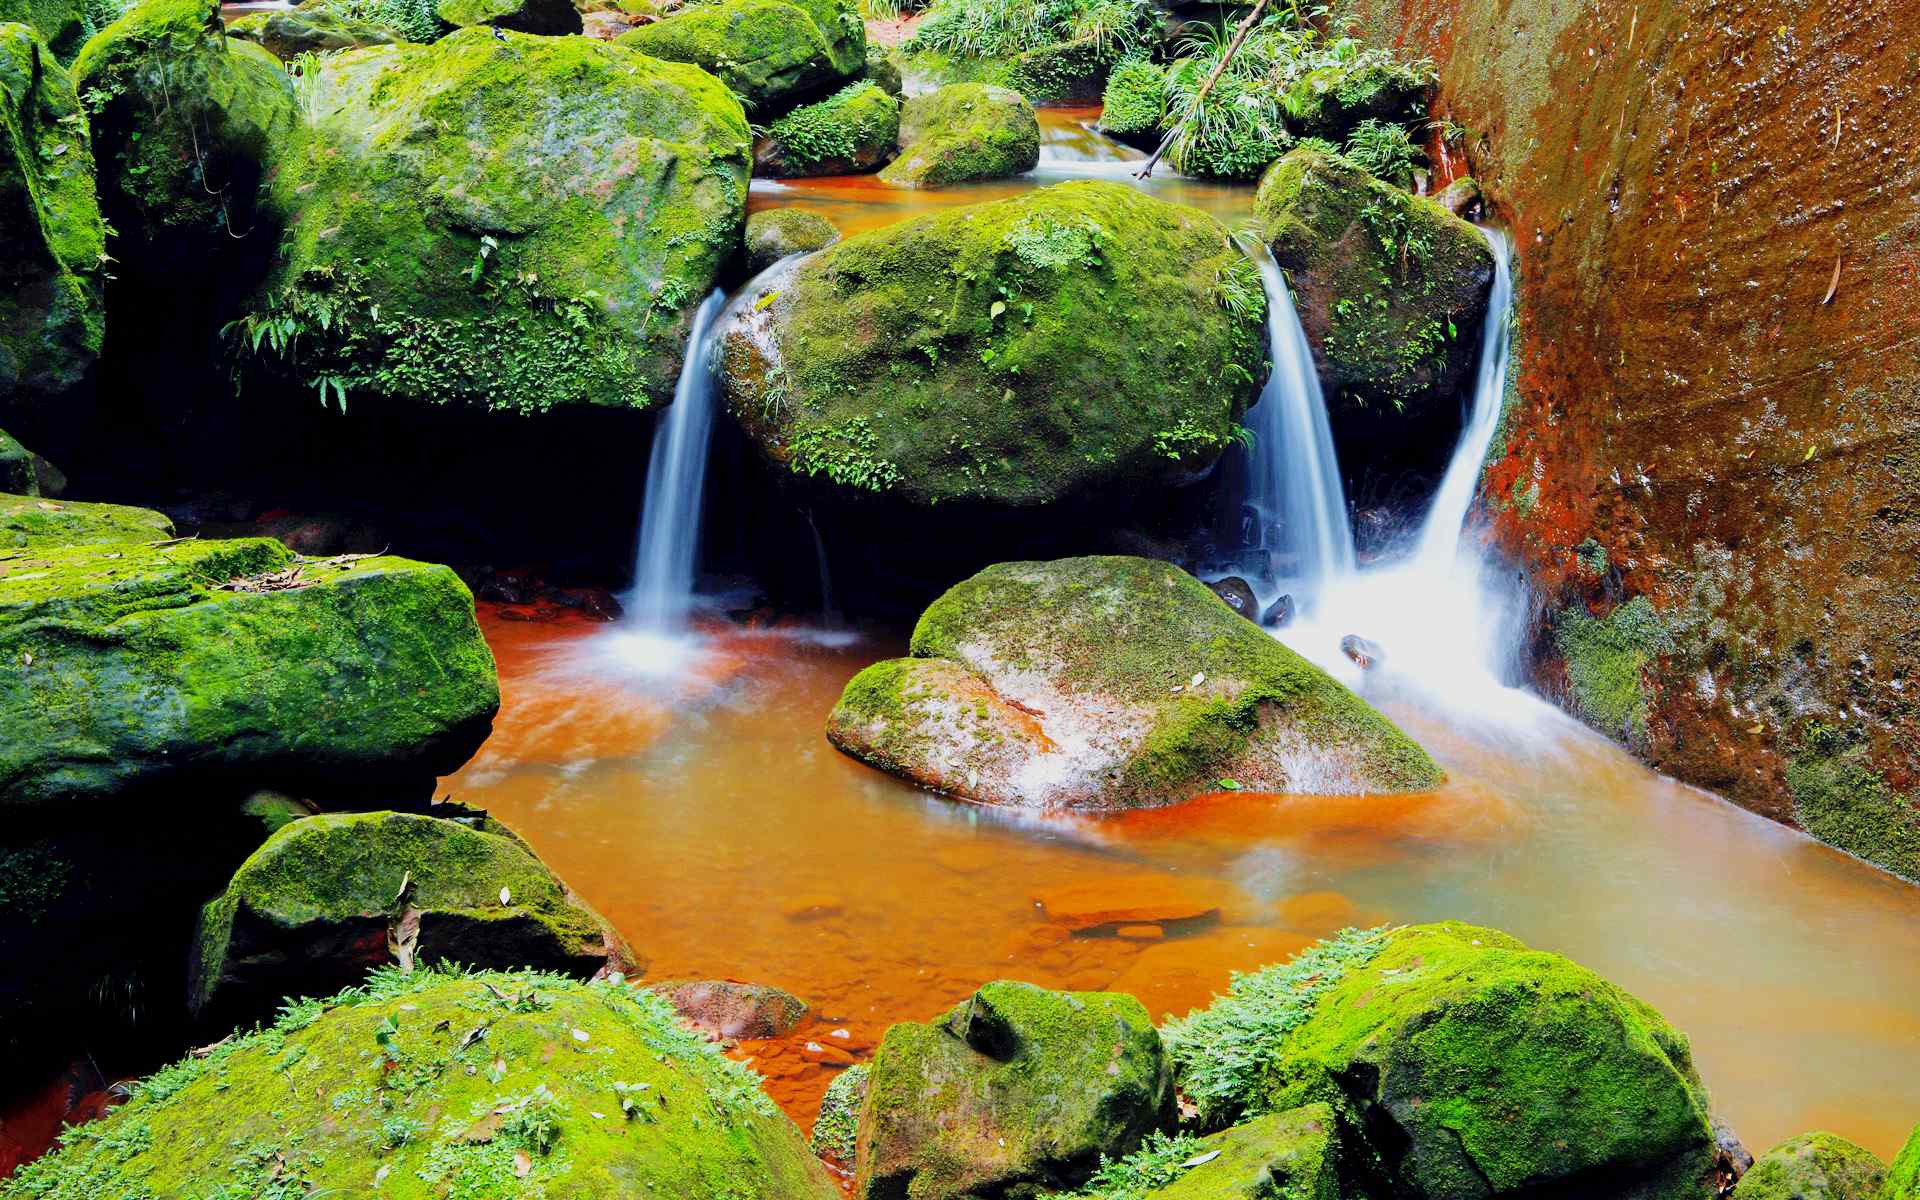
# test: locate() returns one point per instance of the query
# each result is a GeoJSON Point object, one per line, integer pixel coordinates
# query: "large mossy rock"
{"type": "Point", "coordinates": [1461, 1065]}
{"type": "Point", "coordinates": [1814, 1166]}
{"type": "Point", "coordinates": [1062, 343]}
{"type": "Point", "coordinates": [1332, 100]}
{"type": "Point", "coordinates": [52, 240]}
{"type": "Point", "coordinates": [329, 898]}
{"type": "Point", "coordinates": [965, 131]}
{"type": "Point", "coordinates": [218, 664]}
{"type": "Point", "coordinates": [187, 123]}
{"type": "Point", "coordinates": [1903, 1180]}
{"type": "Point", "coordinates": [1391, 288]}
{"type": "Point", "coordinates": [1015, 1090]}
{"type": "Point", "coordinates": [548, 18]}
{"type": "Point", "coordinates": [35, 521]}
{"type": "Point", "coordinates": [61, 24]}
{"type": "Point", "coordinates": [506, 221]}
{"type": "Point", "coordinates": [435, 1085]}
{"type": "Point", "coordinates": [772, 53]}
{"type": "Point", "coordinates": [311, 28]}
{"type": "Point", "coordinates": [774, 233]}
{"type": "Point", "coordinates": [855, 130]}
{"type": "Point", "coordinates": [1111, 682]}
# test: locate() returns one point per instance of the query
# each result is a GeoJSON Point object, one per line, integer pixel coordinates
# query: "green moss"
{"type": "Point", "coordinates": [1607, 661]}
{"type": "Point", "coordinates": [1018, 352]}
{"type": "Point", "coordinates": [770, 52]}
{"type": "Point", "coordinates": [855, 129]}
{"type": "Point", "coordinates": [1841, 799]}
{"type": "Point", "coordinates": [550, 18]}
{"type": "Point", "coordinates": [964, 131]}
{"type": "Point", "coordinates": [1135, 98]}
{"type": "Point", "coordinates": [1592, 557]}
{"type": "Point", "coordinates": [61, 24]}
{"type": "Point", "coordinates": [835, 1131]}
{"type": "Point", "coordinates": [33, 522]}
{"type": "Point", "coordinates": [582, 199]}
{"type": "Point", "coordinates": [1282, 1156]}
{"type": "Point", "coordinates": [1903, 1180]}
{"type": "Point", "coordinates": [309, 29]}
{"type": "Point", "coordinates": [774, 233]}
{"type": "Point", "coordinates": [125, 663]}
{"type": "Point", "coordinates": [52, 240]}
{"type": "Point", "coordinates": [1813, 1166]}
{"type": "Point", "coordinates": [448, 1086]}
{"type": "Point", "coordinates": [1073, 72]}
{"type": "Point", "coordinates": [1048, 51]}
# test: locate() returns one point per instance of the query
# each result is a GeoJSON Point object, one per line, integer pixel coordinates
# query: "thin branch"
{"type": "Point", "coordinates": [1199, 97]}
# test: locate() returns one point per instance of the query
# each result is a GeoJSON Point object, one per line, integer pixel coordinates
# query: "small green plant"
{"type": "Point", "coordinates": [1384, 149]}
{"type": "Point", "coordinates": [1159, 1161]}
{"type": "Point", "coordinates": [857, 115]}
{"type": "Point", "coordinates": [1238, 288]}
{"type": "Point", "coordinates": [844, 453]}
{"type": "Point", "coordinates": [981, 29]}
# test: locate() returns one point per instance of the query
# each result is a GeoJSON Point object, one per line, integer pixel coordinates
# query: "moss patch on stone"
{"type": "Point", "coordinates": [1294, 1155]}
{"type": "Point", "coordinates": [308, 29]}
{"type": "Point", "coordinates": [1903, 1179]}
{"type": "Point", "coordinates": [549, 18]}
{"type": "Point", "coordinates": [770, 52]}
{"type": "Point", "coordinates": [1813, 1166]}
{"type": "Point", "coordinates": [33, 521]}
{"type": "Point", "coordinates": [61, 24]}
{"type": "Point", "coordinates": [1135, 99]}
{"type": "Point", "coordinates": [1841, 799]}
{"type": "Point", "coordinates": [451, 1087]}
{"type": "Point", "coordinates": [838, 1125]}
{"type": "Point", "coordinates": [1607, 659]}
{"type": "Point", "coordinates": [964, 131]}
{"type": "Point", "coordinates": [774, 233]}
{"type": "Point", "coordinates": [854, 130]}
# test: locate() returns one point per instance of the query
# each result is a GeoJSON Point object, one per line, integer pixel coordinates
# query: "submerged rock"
{"type": "Point", "coordinates": [774, 233]}
{"type": "Point", "coordinates": [1067, 342]}
{"type": "Point", "coordinates": [772, 53]}
{"type": "Point", "coordinates": [1814, 1166]}
{"type": "Point", "coordinates": [512, 222]}
{"type": "Point", "coordinates": [1104, 683]}
{"type": "Point", "coordinates": [1016, 1090]}
{"type": "Point", "coordinates": [329, 898]}
{"type": "Point", "coordinates": [721, 1008]}
{"type": "Point", "coordinates": [965, 131]}
{"type": "Point", "coordinates": [852, 131]}
{"type": "Point", "coordinates": [1363, 653]}
{"type": "Point", "coordinates": [1460, 1063]}
{"type": "Point", "coordinates": [445, 1085]}
{"type": "Point", "coordinates": [128, 665]}
{"type": "Point", "coordinates": [37, 522]}
{"type": "Point", "coordinates": [52, 241]}
{"type": "Point", "coordinates": [1391, 288]}
{"type": "Point", "coordinates": [310, 28]}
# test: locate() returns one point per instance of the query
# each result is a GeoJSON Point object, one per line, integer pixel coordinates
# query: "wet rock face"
{"type": "Point", "coordinates": [1741, 446]}
{"type": "Point", "coordinates": [775, 233]}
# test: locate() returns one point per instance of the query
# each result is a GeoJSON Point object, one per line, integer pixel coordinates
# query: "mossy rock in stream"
{"type": "Point", "coordinates": [37, 522]}
{"type": "Point", "coordinates": [1292, 1155]}
{"type": "Point", "coordinates": [52, 240]}
{"type": "Point", "coordinates": [1903, 1179]}
{"type": "Point", "coordinates": [309, 29]}
{"type": "Point", "coordinates": [964, 131]}
{"type": "Point", "coordinates": [1111, 682]}
{"type": "Point", "coordinates": [328, 898]}
{"type": "Point", "coordinates": [549, 18]}
{"type": "Point", "coordinates": [1814, 1166]}
{"type": "Point", "coordinates": [233, 663]}
{"type": "Point", "coordinates": [1071, 341]}
{"type": "Point", "coordinates": [504, 221]}
{"type": "Point", "coordinates": [774, 233]}
{"type": "Point", "coordinates": [61, 24]}
{"type": "Point", "coordinates": [772, 53]}
{"type": "Point", "coordinates": [1391, 288]}
{"type": "Point", "coordinates": [1461, 1065]}
{"type": "Point", "coordinates": [855, 130]}
{"type": "Point", "coordinates": [438, 1084]}
{"type": "Point", "coordinates": [187, 124]}
{"type": "Point", "coordinates": [1015, 1091]}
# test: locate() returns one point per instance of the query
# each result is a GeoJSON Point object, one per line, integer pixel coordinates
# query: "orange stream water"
{"type": "Point", "coordinates": [726, 838]}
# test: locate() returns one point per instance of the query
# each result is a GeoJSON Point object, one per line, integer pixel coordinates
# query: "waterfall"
{"type": "Point", "coordinates": [676, 477]}
{"type": "Point", "coordinates": [1293, 479]}
{"type": "Point", "coordinates": [828, 611]}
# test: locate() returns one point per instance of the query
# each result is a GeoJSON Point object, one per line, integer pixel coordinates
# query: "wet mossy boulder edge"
{"type": "Point", "coordinates": [774, 233]}
{"type": "Point", "coordinates": [442, 1083]}
{"type": "Point", "coordinates": [855, 130]}
{"type": "Point", "coordinates": [1814, 1166]}
{"type": "Point", "coordinates": [962, 132]}
{"type": "Point", "coordinates": [1073, 341]}
{"type": "Point", "coordinates": [27, 521]}
{"type": "Point", "coordinates": [1903, 1178]}
{"type": "Point", "coordinates": [1111, 682]}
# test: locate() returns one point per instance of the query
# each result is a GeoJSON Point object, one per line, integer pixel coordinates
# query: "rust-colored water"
{"type": "Point", "coordinates": [724, 836]}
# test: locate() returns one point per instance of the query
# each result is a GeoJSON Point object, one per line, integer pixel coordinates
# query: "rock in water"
{"type": "Point", "coordinates": [429, 1085]}
{"type": "Point", "coordinates": [1015, 1089]}
{"type": "Point", "coordinates": [1365, 654]}
{"type": "Point", "coordinates": [965, 131]}
{"type": "Point", "coordinates": [1075, 344]}
{"type": "Point", "coordinates": [721, 1008]}
{"type": "Point", "coordinates": [329, 898]}
{"type": "Point", "coordinates": [1342, 234]}
{"type": "Point", "coordinates": [1460, 1065]}
{"type": "Point", "coordinates": [1104, 683]}
{"type": "Point", "coordinates": [1814, 1166]}
{"type": "Point", "coordinates": [774, 233]}
{"type": "Point", "coordinates": [1279, 614]}
{"type": "Point", "coordinates": [836, 1131]}
{"type": "Point", "coordinates": [125, 666]}
{"type": "Point", "coordinates": [507, 221]}
{"type": "Point", "coordinates": [1238, 594]}
{"type": "Point", "coordinates": [852, 131]}
{"type": "Point", "coordinates": [52, 241]}
{"type": "Point", "coordinates": [772, 53]}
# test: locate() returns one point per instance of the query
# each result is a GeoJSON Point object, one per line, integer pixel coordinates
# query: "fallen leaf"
{"type": "Point", "coordinates": [506, 897]}
{"type": "Point", "coordinates": [403, 939]}
{"type": "Point", "coordinates": [1199, 677]}
{"type": "Point", "coordinates": [1198, 1159]}
{"type": "Point", "coordinates": [999, 306]}
{"type": "Point", "coordinates": [406, 881]}
{"type": "Point", "coordinates": [1833, 285]}
{"type": "Point", "coordinates": [522, 1164]}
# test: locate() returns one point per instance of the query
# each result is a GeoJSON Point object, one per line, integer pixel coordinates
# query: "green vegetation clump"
{"type": "Point", "coordinates": [1607, 659]}
{"type": "Point", "coordinates": [1282, 1156]}
{"type": "Point", "coordinates": [1048, 50]}
{"type": "Point", "coordinates": [413, 20]}
{"type": "Point", "coordinates": [442, 1085]}
{"type": "Point", "coordinates": [1384, 151]}
{"type": "Point", "coordinates": [962, 132]}
{"type": "Point", "coordinates": [838, 1126]}
{"type": "Point", "coordinates": [1135, 99]}
{"type": "Point", "coordinates": [510, 222]}
{"type": "Point", "coordinates": [1814, 1166]}
{"type": "Point", "coordinates": [31, 521]}
{"type": "Point", "coordinates": [63, 25]}
{"type": "Point", "coordinates": [856, 129]}
{"type": "Point", "coordinates": [1016, 353]}
{"type": "Point", "coordinates": [770, 52]}
{"type": "Point", "coordinates": [52, 240]}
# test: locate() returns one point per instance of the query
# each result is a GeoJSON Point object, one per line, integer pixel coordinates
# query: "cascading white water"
{"type": "Point", "coordinates": [1293, 479]}
{"type": "Point", "coordinates": [676, 479]}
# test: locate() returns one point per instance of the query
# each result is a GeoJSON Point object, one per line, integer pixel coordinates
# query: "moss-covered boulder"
{"type": "Point", "coordinates": [855, 130]}
{"type": "Point", "coordinates": [1293, 1155]}
{"type": "Point", "coordinates": [772, 53]}
{"type": "Point", "coordinates": [187, 123]}
{"type": "Point", "coordinates": [1391, 288]}
{"type": "Point", "coordinates": [61, 24]}
{"type": "Point", "coordinates": [1903, 1180]}
{"type": "Point", "coordinates": [1071, 72]}
{"type": "Point", "coordinates": [38, 522]}
{"type": "Point", "coordinates": [1103, 683]}
{"type": "Point", "coordinates": [774, 233]}
{"type": "Point", "coordinates": [1460, 1064]}
{"type": "Point", "coordinates": [965, 131]}
{"type": "Point", "coordinates": [216, 663]}
{"type": "Point", "coordinates": [432, 1085]}
{"type": "Point", "coordinates": [512, 222]}
{"type": "Point", "coordinates": [883, 69]}
{"type": "Point", "coordinates": [1071, 340]}
{"type": "Point", "coordinates": [549, 18]}
{"type": "Point", "coordinates": [1331, 101]}
{"type": "Point", "coordinates": [52, 241]}
{"type": "Point", "coordinates": [1017, 1089]}
{"type": "Point", "coordinates": [329, 898]}
{"type": "Point", "coordinates": [311, 28]}
{"type": "Point", "coordinates": [1814, 1166]}
{"type": "Point", "coordinates": [1134, 101]}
